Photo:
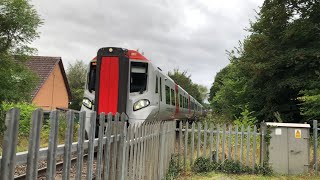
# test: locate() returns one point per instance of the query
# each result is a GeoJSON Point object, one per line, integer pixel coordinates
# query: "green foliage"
{"type": "Point", "coordinates": [16, 80]}
{"type": "Point", "coordinates": [228, 92]}
{"type": "Point", "coordinates": [2, 120]}
{"type": "Point", "coordinates": [276, 68]}
{"type": "Point", "coordinates": [311, 104]}
{"type": "Point", "coordinates": [203, 90]}
{"type": "Point", "coordinates": [26, 110]}
{"type": "Point", "coordinates": [184, 80]}
{"type": "Point", "coordinates": [246, 119]}
{"type": "Point", "coordinates": [173, 170]}
{"type": "Point", "coordinates": [18, 28]}
{"type": "Point", "coordinates": [265, 169]}
{"type": "Point", "coordinates": [77, 74]}
{"type": "Point", "coordinates": [232, 167]}
{"type": "Point", "coordinates": [215, 118]}
{"type": "Point", "coordinates": [203, 165]}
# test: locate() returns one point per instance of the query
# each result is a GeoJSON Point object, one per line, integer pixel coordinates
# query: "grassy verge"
{"type": "Point", "coordinates": [220, 176]}
{"type": "Point", "coordinates": [23, 139]}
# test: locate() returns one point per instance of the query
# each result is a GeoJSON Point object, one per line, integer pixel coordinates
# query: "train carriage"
{"type": "Point", "coordinates": [121, 80]}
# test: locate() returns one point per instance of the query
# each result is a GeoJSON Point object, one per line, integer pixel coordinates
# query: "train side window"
{"type": "Point", "coordinates": [167, 95]}
{"type": "Point", "coordinates": [160, 89]}
{"type": "Point", "coordinates": [92, 77]}
{"type": "Point", "coordinates": [186, 103]}
{"type": "Point", "coordinates": [180, 100]}
{"type": "Point", "coordinates": [157, 84]}
{"type": "Point", "coordinates": [173, 100]}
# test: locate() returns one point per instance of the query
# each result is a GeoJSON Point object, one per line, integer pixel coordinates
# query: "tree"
{"type": "Point", "coordinates": [184, 80]}
{"type": "Point", "coordinates": [18, 28]}
{"type": "Point", "coordinates": [277, 65]}
{"type": "Point", "coordinates": [203, 90]}
{"type": "Point", "coordinates": [77, 74]}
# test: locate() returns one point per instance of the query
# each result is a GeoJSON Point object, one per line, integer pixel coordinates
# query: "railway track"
{"type": "Point", "coordinates": [42, 171]}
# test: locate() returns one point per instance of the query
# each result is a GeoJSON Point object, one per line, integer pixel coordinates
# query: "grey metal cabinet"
{"type": "Point", "coordinates": [289, 148]}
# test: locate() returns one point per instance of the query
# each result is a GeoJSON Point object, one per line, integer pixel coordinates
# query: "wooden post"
{"type": "Point", "coordinates": [223, 142]}
{"type": "Point", "coordinates": [10, 140]}
{"type": "Point", "coordinates": [217, 143]}
{"type": "Point", "coordinates": [205, 140]}
{"type": "Point", "coordinates": [248, 146]}
{"type": "Point", "coordinates": [123, 147]}
{"type": "Point", "coordinates": [68, 145]}
{"type": "Point", "coordinates": [92, 127]}
{"type": "Point", "coordinates": [192, 145]}
{"type": "Point", "coordinates": [241, 145]}
{"type": "Point", "coordinates": [199, 139]}
{"type": "Point", "coordinates": [236, 144]}
{"type": "Point", "coordinates": [180, 143]}
{"type": "Point", "coordinates": [262, 142]}
{"type": "Point", "coordinates": [107, 158]}
{"type": "Point", "coordinates": [34, 143]}
{"type": "Point", "coordinates": [185, 146]}
{"type": "Point", "coordinates": [81, 138]}
{"type": "Point", "coordinates": [100, 146]}
{"type": "Point", "coordinates": [229, 142]}
{"type": "Point", "coordinates": [315, 146]}
{"type": "Point", "coordinates": [52, 147]}
{"type": "Point", "coordinates": [211, 141]}
{"type": "Point", "coordinates": [254, 148]}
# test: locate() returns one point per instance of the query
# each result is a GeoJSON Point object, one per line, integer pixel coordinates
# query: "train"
{"type": "Point", "coordinates": [122, 80]}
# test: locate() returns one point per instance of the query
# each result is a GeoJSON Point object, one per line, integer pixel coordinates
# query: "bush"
{"type": "Point", "coordinates": [265, 170]}
{"type": "Point", "coordinates": [2, 123]}
{"type": "Point", "coordinates": [26, 110]}
{"type": "Point", "coordinates": [230, 167]}
{"type": "Point", "coordinates": [202, 165]}
{"type": "Point", "coordinates": [173, 170]}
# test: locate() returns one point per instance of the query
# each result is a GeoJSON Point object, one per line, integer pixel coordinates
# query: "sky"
{"type": "Point", "coordinates": [191, 35]}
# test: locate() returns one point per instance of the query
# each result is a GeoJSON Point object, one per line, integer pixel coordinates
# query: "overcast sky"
{"type": "Point", "coordinates": [190, 35]}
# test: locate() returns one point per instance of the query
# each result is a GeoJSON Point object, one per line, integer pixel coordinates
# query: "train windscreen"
{"type": "Point", "coordinates": [92, 76]}
{"type": "Point", "coordinates": [138, 77]}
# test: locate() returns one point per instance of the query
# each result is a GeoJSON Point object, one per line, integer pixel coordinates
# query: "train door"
{"type": "Point", "coordinates": [158, 91]}
{"type": "Point", "coordinates": [177, 101]}
{"type": "Point", "coordinates": [112, 80]}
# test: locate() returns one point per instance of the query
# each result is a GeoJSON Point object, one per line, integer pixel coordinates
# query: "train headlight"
{"type": "Point", "coordinates": [141, 104]}
{"type": "Point", "coordinates": [87, 103]}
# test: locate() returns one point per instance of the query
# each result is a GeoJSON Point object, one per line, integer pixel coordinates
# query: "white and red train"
{"type": "Point", "coordinates": [121, 80]}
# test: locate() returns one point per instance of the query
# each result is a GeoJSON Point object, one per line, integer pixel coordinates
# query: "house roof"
{"type": "Point", "coordinates": [43, 66]}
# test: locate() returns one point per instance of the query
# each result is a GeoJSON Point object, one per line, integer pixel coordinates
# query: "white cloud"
{"type": "Point", "coordinates": [190, 34]}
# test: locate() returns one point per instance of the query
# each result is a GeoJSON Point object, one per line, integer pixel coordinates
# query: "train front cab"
{"type": "Point", "coordinates": [143, 102]}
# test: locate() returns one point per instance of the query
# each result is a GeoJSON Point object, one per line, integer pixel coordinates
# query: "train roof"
{"type": "Point", "coordinates": [132, 55]}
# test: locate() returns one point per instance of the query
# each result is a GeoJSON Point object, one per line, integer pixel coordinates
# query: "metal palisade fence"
{"type": "Point", "coordinates": [141, 151]}
{"type": "Point", "coordinates": [220, 143]}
